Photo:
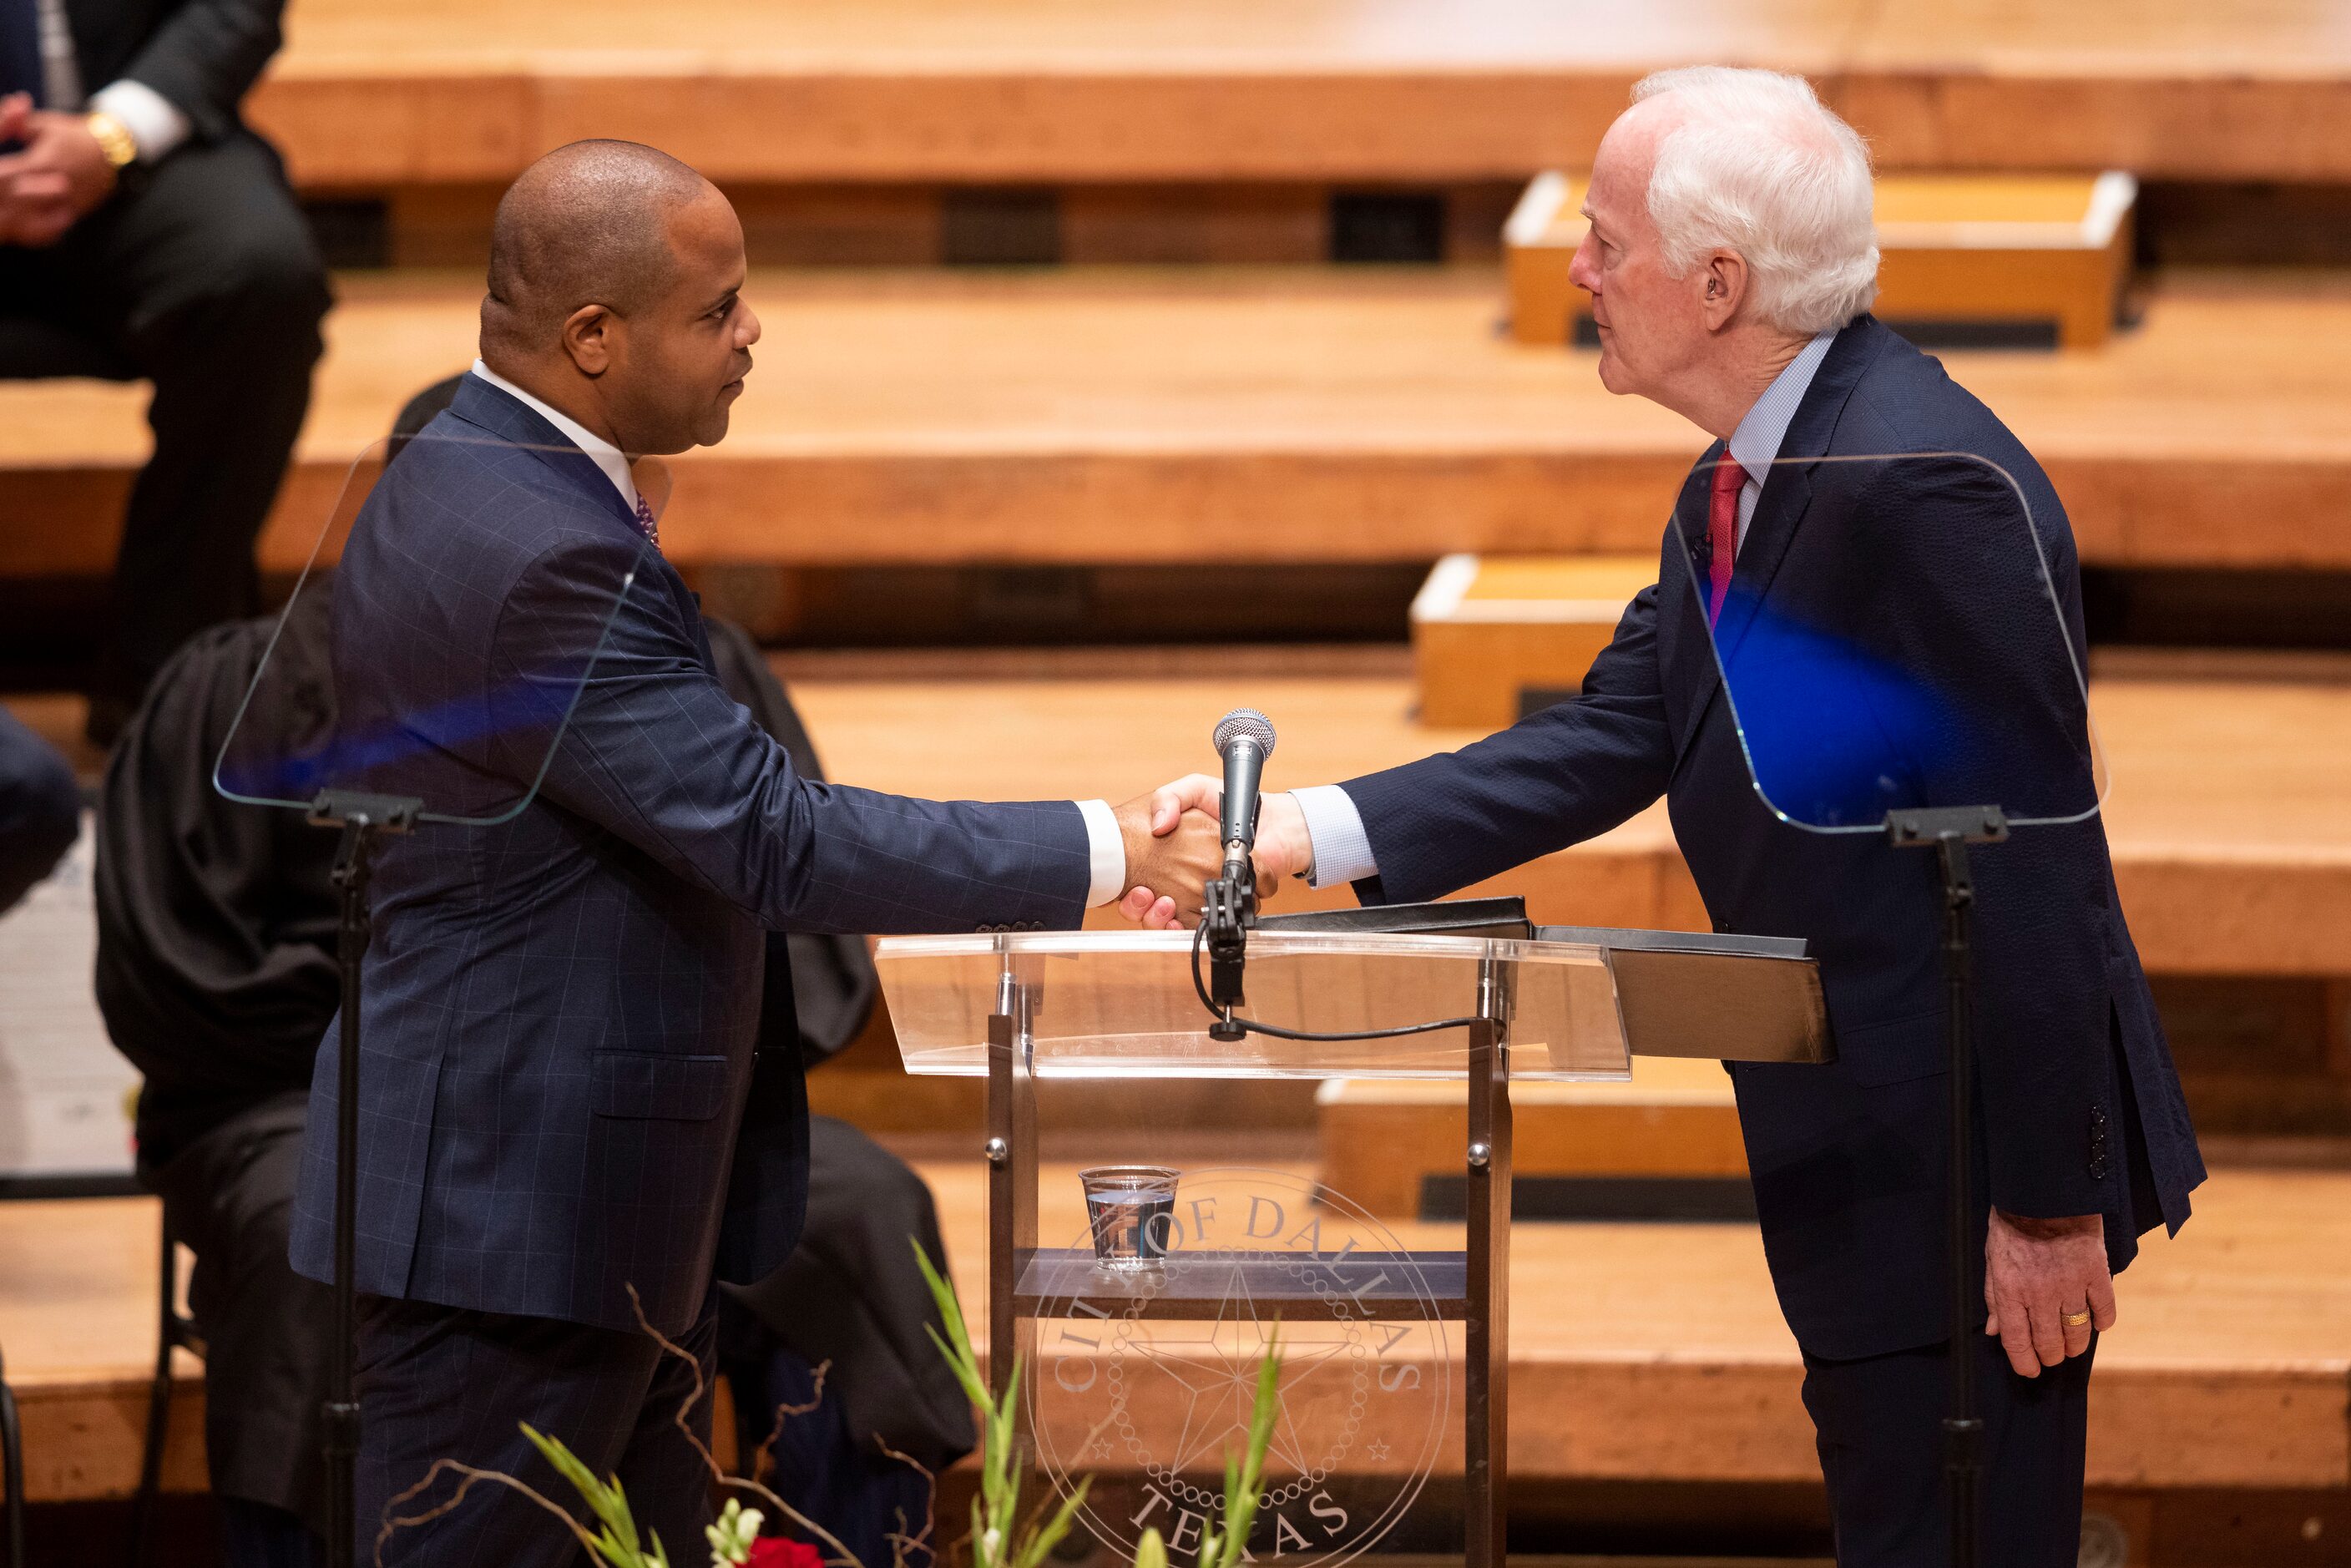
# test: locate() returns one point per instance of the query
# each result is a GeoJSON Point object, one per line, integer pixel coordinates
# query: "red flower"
{"type": "Point", "coordinates": [782, 1552]}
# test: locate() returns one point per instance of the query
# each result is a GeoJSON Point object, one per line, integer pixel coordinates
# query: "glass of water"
{"type": "Point", "coordinates": [1133, 1211]}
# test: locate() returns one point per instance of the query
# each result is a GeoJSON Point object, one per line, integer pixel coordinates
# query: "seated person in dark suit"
{"type": "Point", "coordinates": [144, 232]}
{"type": "Point", "coordinates": [40, 808]}
{"type": "Point", "coordinates": [217, 976]}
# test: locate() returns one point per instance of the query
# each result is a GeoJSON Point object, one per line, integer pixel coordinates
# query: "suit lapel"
{"type": "Point", "coordinates": [1788, 491]}
{"type": "Point", "coordinates": [1780, 509]}
{"type": "Point", "coordinates": [504, 418]}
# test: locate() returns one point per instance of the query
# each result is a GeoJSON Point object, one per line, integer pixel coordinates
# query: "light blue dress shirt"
{"type": "Point", "coordinates": [1334, 829]}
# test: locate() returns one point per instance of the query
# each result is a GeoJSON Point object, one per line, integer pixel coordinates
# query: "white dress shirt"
{"type": "Point", "coordinates": [1105, 846]}
{"type": "Point", "coordinates": [1340, 850]}
{"type": "Point", "coordinates": [156, 124]}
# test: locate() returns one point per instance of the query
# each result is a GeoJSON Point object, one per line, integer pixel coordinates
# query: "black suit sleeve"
{"type": "Point", "coordinates": [656, 751]}
{"type": "Point", "coordinates": [1555, 778]}
{"type": "Point", "coordinates": [206, 55]}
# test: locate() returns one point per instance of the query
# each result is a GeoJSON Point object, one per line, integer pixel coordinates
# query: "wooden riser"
{"type": "Point", "coordinates": [1639, 1352]}
{"type": "Point", "coordinates": [1244, 417]}
{"type": "Point", "coordinates": [1675, 1119]}
{"type": "Point", "coordinates": [369, 92]}
{"type": "Point", "coordinates": [2230, 845]}
{"type": "Point", "coordinates": [2043, 254]}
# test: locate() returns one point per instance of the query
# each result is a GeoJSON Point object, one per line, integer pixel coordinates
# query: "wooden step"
{"type": "Point", "coordinates": [1496, 636]}
{"type": "Point", "coordinates": [1675, 1119]}
{"type": "Point", "coordinates": [2230, 847]}
{"type": "Point", "coordinates": [374, 93]}
{"type": "Point", "coordinates": [1265, 415]}
{"type": "Point", "coordinates": [2041, 258]}
{"type": "Point", "coordinates": [1638, 1352]}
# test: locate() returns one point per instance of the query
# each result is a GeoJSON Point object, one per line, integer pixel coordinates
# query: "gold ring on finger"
{"type": "Point", "coordinates": [2076, 1320]}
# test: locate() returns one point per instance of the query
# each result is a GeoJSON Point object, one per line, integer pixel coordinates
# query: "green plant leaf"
{"type": "Point", "coordinates": [1043, 1540]}
{"type": "Point", "coordinates": [1150, 1551]}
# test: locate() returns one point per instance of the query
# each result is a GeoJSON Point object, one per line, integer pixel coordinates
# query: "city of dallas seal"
{"type": "Point", "coordinates": [1143, 1380]}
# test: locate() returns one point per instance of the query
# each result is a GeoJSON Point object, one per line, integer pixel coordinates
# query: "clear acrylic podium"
{"type": "Point", "coordinates": [1020, 1008]}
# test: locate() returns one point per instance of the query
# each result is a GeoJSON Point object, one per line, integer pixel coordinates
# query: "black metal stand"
{"type": "Point", "coordinates": [363, 818]}
{"type": "Point", "coordinates": [1948, 832]}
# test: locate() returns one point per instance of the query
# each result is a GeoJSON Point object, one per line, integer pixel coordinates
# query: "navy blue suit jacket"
{"type": "Point", "coordinates": [2076, 1088]}
{"type": "Point", "coordinates": [560, 1009]}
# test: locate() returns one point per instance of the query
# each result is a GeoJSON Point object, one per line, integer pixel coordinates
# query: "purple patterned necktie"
{"type": "Point", "coordinates": [645, 525]}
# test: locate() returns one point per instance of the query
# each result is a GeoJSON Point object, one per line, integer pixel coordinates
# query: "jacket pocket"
{"type": "Point", "coordinates": [652, 1085]}
{"type": "Point", "coordinates": [1896, 1051]}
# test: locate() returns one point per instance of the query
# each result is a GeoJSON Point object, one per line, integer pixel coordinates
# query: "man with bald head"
{"type": "Point", "coordinates": [563, 1121]}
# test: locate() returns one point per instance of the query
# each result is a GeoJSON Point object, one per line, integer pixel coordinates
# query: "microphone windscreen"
{"type": "Point", "coordinates": [1244, 721]}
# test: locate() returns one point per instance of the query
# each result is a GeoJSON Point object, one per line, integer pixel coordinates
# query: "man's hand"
{"type": "Point", "coordinates": [1167, 864]}
{"type": "Point", "coordinates": [2037, 1274]}
{"type": "Point", "coordinates": [59, 175]}
{"type": "Point", "coordinates": [1282, 846]}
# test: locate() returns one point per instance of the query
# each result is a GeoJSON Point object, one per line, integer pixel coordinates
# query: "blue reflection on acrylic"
{"type": "Point", "coordinates": [1838, 734]}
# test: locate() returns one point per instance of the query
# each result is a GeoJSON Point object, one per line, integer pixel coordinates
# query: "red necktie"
{"type": "Point", "coordinates": [1722, 533]}
{"type": "Point", "coordinates": [645, 524]}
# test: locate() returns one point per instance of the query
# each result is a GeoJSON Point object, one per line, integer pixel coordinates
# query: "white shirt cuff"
{"type": "Point", "coordinates": [154, 121]}
{"type": "Point", "coordinates": [1334, 829]}
{"type": "Point", "coordinates": [1106, 849]}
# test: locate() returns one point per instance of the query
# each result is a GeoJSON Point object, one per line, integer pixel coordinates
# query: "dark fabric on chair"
{"type": "Point", "coordinates": [216, 925]}
{"type": "Point", "coordinates": [851, 1295]}
{"type": "Point", "coordinates": [823, 1465]}
{"type": "Point", "coordinates": [268, 1331]}
{"type": "Point", "coordinates": [40, 808]}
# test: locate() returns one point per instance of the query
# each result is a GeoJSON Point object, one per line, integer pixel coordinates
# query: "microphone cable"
{"type": "Point", "coordinates": [1251, 1026]}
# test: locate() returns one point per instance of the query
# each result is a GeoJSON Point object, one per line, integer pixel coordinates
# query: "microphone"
{"type": "Point", "coordinates": [1244, 738]}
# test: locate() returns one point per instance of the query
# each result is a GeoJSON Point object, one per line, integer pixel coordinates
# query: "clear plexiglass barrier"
{"type": "Point", "coordinates": [1895, 634]}
{"type": "Point", "coordinates": [1122, 1004]}
{"type": "Point", "coordinates": [440, 641]}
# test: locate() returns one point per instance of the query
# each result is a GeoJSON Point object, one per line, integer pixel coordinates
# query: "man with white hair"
{"type": "Point", "coordinates": [1731, 262]}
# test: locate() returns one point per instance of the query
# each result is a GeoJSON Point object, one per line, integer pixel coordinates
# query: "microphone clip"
{"type": "Point", "coordinates": [1228, 908]}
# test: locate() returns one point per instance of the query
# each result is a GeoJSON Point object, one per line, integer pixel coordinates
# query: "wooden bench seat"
{"type": "Point", "coordinates": [374, 92]}
{"type": "Point", "coordinates": [1638, 1352]}
{"type": "Point", "coordinates": [1284, 415]}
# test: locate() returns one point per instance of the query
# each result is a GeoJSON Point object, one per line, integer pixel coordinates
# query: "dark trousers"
{"type": "Point", "coordinates": [268, 1331]}
{"type": "Point", "coordinates": [40, 808]}
{"type": "Point", "coordinates": [1880, 1422]}
{"type": "Point", "coordinates": [440, 1382]}
{"type": "Point", "coordinates": [200, 277]}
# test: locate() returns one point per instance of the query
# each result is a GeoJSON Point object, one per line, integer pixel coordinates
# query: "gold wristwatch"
{"type": "Point", "coordinates": [114, 140]}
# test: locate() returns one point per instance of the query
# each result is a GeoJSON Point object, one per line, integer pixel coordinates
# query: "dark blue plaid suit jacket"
{"type": "Point", "coordinates": [1848, 1159]}
{"type": "Point", "coordinates": [560, 1009]}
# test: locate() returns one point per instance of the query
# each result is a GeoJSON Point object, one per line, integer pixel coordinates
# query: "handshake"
{"type": "Point", "coordinates": [1173, 848]}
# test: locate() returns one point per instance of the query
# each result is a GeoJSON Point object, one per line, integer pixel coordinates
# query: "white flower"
{"type": "Point", "coordinates": [731, 1537]}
